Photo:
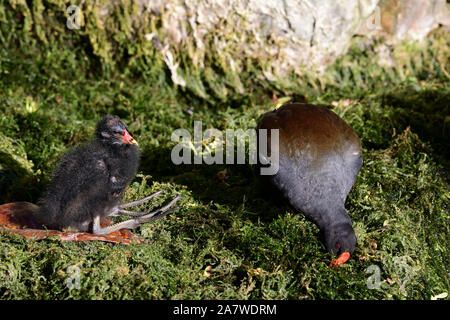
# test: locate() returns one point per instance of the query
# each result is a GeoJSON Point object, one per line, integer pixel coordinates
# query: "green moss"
{"type": "Point", "coordinates": [55, 85]}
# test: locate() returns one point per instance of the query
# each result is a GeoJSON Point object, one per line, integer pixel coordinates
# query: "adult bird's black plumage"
{"type": "Point", "coordinates": [319, 159]}
{"type": "Point", "coordinates": [89, 182]}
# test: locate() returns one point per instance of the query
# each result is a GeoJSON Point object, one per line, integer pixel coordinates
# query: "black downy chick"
{"type": "Point", "coordinates": [89, 183]}
{"type": "Point", "coordinates": [319, 159]}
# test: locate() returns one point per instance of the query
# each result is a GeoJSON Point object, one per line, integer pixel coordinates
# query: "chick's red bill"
{"type": "Point", "coordinates": [127, 138]}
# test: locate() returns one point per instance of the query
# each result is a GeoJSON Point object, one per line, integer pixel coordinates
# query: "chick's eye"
{"type": "Point", "coordinates": [117, 130]}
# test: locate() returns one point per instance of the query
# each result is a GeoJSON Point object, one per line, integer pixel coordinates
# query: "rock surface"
{"type": "Point", "coordinates": [286, 35]}
{"type": "Point", "coordinates": [407, 19]}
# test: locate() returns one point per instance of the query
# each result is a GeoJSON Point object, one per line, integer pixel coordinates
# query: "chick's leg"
{"type": "Point", "coordinates": [120, 209]}
{"type": "Point", "coordinates": [98, 229]}
{"type": "Point", "coordinates": [141, 217]}
{"type": "Point", "coordinates": [138, 202]}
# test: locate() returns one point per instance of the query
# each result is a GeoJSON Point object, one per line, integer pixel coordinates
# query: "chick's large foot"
{"type": "Point", "coordinates": [140, 216]}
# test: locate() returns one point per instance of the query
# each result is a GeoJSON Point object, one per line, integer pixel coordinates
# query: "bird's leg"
{"type": "Point", "coordinates": [160, 213]}
{"type": "Point", "coordinates": [145, 213]}
{"type": "Point", "coordinates": [138, 202]}
{"type": "Point", "coordinates": [98, 229]}
{"type": "Point", "coordinates": [140, 217]}
{"type": "Point", "coordinates": [119, 210]}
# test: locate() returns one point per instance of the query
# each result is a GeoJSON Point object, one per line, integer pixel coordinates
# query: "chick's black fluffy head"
{"type": "Point", "coordinates": [111, 130]}
{"type": "Point", "coordinates": [340, 239]}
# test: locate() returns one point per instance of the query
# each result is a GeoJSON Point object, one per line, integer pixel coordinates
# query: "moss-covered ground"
{"type": "Point", "coordinates": [230, 240]}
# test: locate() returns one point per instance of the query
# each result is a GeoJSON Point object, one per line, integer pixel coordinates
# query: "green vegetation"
{"type": "Point", "coordinates": [229, 240]}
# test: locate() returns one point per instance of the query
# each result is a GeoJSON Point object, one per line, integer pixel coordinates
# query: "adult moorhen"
{"type": "Point", "coordinates": [319, 158]}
